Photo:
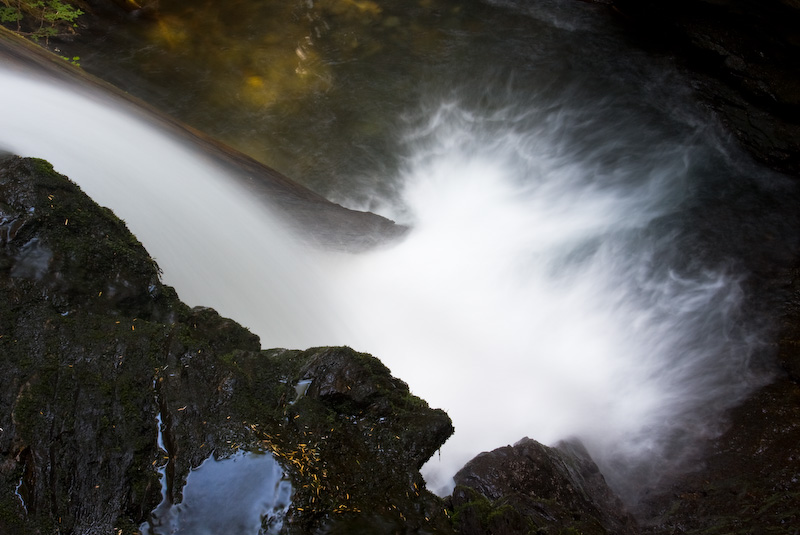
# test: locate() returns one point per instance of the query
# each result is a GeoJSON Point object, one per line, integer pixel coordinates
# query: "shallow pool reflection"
{"type": "Point", "coordinates": [244, 494]}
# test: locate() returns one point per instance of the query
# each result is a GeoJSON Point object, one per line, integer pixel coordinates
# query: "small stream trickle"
{"type": "Point", "coordinates": [19, 495]}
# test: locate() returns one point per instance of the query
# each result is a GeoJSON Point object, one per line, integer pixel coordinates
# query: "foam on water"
{"type": "Point", "coordinates": [540, 295]}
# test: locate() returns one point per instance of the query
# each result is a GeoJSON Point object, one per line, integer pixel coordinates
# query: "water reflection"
{"type": "Point", "coordinates": [314, 88]}
{"type": "Point", "coordinates": [246, 494]}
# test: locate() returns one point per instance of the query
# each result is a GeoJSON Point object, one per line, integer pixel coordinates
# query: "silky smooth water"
{"type": "Point", "coordinates": [575, 266]}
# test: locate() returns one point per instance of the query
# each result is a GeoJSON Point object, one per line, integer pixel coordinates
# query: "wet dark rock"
{"type": "Point", "coordinates": [362, 386]}
{"type": "Point", "coordinates": [94, 348]}
{"type": "Point", "coordinates": [749, 481]}
{"type": "Point", "coordinates": [744, 59]}
{"type": "Point", "coordinates": [531, 488]}
{"type": "Point", "coordinates": [77, 433]}
{"type": "Point", "coordinates": [789, 344]}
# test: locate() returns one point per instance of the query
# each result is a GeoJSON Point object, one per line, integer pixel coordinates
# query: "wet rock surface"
{"type": "Point", "coordinates": [531, 488]}
{"type": "Point", "coordinates": [744, 59]}
{"type": "Point", "coordinates": [94, 348]}
{"type": "Point", "coordinates": [747, 480]}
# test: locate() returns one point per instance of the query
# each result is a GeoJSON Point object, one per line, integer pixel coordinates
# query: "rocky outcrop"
{"type": "Point", "coordinates": [531, 488]}
{"type": "Point", "coordinates": [744, 59]}
{"type": "Point", "coordinates": [94, 349]}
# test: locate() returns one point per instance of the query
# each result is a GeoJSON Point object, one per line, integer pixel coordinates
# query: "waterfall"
{"type": "Point", "coordinates": [197, 226]}
{"type": "Point", "coordinates": [554, 283]}
{"type": "Point", "coordinates": [549, 289]}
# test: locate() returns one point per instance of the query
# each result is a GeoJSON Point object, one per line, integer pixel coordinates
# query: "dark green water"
{"type": "Point", "coordinates": [325, 91]}
{"type": "Point", "coordinates": [314, 89]}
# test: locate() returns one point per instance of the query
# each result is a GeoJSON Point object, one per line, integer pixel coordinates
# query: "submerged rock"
{"type": "Point", "coordinates": [95, 351]}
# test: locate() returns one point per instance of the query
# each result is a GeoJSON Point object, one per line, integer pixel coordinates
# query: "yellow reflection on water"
{"type": "Point", "coordinates": [265, 55]}
{"type": "Point", "coordinates": [274, 73]}
{"type": "Point", "coordinates": [171, 31]}
{"type": "Point", "coordinates": [350, 7]}
{"type": "Point", "coordinates": [245, 64]}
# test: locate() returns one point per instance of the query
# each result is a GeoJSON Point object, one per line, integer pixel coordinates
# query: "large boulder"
{"type": "Point", "coordinates": [532, 488]}
{"type": "Point", "coordinates": [96, 351]}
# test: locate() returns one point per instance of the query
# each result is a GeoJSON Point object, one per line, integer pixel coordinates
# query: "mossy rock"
{"type": "Point", "coordinates": [532, 489]}
{"type": "Point", "coordinates": [94, 348]}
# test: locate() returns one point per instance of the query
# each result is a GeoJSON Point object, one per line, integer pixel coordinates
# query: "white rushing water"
{"type": "Point", "coordinates": [540, 292]}
{"type": "Point", "coordinates": [539, 295]}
